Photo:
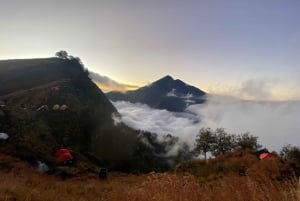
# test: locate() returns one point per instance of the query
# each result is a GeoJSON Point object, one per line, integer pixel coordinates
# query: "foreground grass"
{"type": "Point", "coordinates": [161, 187]}
{"type": "Point", "coordinates": [23, 183]}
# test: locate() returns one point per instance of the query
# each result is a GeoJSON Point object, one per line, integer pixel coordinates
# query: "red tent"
{"type": "Point", "coordinates": [266, 156]}
{"type": "Point", "coordinates": [55, 88]}
{"type": "Point", "coordinates": [63, 155]}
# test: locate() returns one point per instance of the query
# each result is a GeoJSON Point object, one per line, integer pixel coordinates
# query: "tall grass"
{"type": "Point", "coordinates": [165, 187]}
{"type": "Point", "coordinates": [21, 182]}
{"type": "Point", "coordinates": [160, 187]}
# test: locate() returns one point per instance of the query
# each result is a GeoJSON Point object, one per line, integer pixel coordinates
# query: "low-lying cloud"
{"type": "Point", "coordinates": [142, 117]}
{"type": "Point", "coordinates": [275, 123]}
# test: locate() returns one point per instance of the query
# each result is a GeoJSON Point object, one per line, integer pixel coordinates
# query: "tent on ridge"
{"type": "Point", "coordinates": [64, 156]}
{"type": "Point", "coordinates": [264, 150]}
{"type": "Point", "coordinates": [267, 156]}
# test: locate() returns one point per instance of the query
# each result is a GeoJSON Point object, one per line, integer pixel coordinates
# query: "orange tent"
{"type": "Point", "coordinates": [266, 156]}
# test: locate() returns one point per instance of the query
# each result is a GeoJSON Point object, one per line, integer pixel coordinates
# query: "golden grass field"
{"type": "Point", "coordinates": [23, 183]}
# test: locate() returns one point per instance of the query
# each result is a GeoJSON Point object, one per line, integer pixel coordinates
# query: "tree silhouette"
{"type": "Point", "coordinates": [247, 141]}
{"type": "Point", "coordinates": [204, 141]}
{"type": "Point", "coordinates": [224, 142]}
{"type": "Point", "coordinates": [62, 54]}
{"type": "Point", "coordinates": [290, 152]}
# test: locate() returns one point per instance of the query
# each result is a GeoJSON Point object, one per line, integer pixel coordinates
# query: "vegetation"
{"type": "Point", "coordinates": [204, 141]}
{"type": "Point", "coordinates": [291, 152]}
{"type": "Point", "coordinates": [21, 182]}
{"type": "Point", "coordinates": [62, 54]}
{"type": "Point", "coordinates": [219, 142]}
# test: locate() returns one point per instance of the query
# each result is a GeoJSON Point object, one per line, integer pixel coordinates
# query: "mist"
{"type": "Point", "coordinates": [275, 123]}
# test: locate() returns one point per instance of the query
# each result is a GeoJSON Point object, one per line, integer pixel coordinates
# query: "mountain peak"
{"type": "Point", "coordinates": [167, 80]}
{"type": "Point", "coordinates": [167, 77]}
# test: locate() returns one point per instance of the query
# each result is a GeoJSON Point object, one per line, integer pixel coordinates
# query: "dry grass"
{"type": "Point", "coordinates": [161, 187]}
{"type": "Point", "coordinates": [22, 183]}
{"type": "Point", "coordinates": [165, 187]}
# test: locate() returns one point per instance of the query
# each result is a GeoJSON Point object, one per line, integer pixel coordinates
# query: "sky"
{"type": "Point", "coordinates": [247, 49]}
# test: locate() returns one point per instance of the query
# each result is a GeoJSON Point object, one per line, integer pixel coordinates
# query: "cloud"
{"type": "Point", "coordinates": [275, 123]}
{"type": "Point", "coordinates": [261, 88]}
{"type": "Point", "coordinates": [107, 84]}
{"type": "Point", "coordinates": [257, 88]}
{"type": "Point", "coordinates": [142, 117]}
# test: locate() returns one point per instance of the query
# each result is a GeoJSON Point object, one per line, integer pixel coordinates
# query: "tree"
{"type": "Point", "coordinates": [204, 141]}
{"type": "Point", "coordinates": [247, 141]}
{"type": "Point", "coordinates": [223, 142]}
{"type": "Point", "coordinates": [62, 54]}
{"type": "Point", "coordinates": [290, 152]}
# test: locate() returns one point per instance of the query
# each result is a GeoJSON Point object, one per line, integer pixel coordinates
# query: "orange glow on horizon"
{"type": "Point", "coordinates": [106, 88]}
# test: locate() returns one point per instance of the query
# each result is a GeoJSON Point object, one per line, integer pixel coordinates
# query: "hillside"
{"type": "Point", "coordinates": [165, 93]}
{"type": "Point", "coordinates": [52, 102]}
{"type": "Point", "coordinates": [21, 74]}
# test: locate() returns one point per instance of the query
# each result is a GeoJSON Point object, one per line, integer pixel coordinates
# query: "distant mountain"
{"type": "Point", "coordinates": [166, 93]}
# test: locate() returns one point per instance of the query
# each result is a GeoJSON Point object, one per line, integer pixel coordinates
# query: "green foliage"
{"type": "Point", "coordinates": [223, 142]}
{"type": "Point", "coordinates": [204, 141]}
{"type": "Point", "coordinates": [247, 141]}
{"type": "Point", "coordinates": [291, 152]}
{"type": "Point", "coordinates": [219, 142]}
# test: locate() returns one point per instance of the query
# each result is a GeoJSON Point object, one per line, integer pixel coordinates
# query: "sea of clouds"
{"type": "Point", "coordinates": [275, 123]}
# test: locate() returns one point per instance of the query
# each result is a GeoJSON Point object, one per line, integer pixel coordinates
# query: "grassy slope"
{"type": "Point", "coordinates": [28, 83]}
{"type": "Point", "coordinates": [21, 182]}
{"type": "Point", "coordinates": [21, 74]}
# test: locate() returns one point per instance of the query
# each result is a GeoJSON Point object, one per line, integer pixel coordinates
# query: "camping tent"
{"type": "Point", "coordinates": [63, 107]}
{"type": "Point", "coordinates": [266, 156]}
{"type": "Point", "coordinates": [3, 136]}
{"type": "Point", "coordinates": [55, 107]}
{"type": "Point", "coordinates": [63, 155]}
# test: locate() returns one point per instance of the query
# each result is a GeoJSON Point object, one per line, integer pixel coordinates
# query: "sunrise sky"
{"type": "Point", "coordinates": [248, 49]}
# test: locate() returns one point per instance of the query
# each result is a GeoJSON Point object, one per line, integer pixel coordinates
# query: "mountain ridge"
{"type": "Point", "coordinates": [165, 93]}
